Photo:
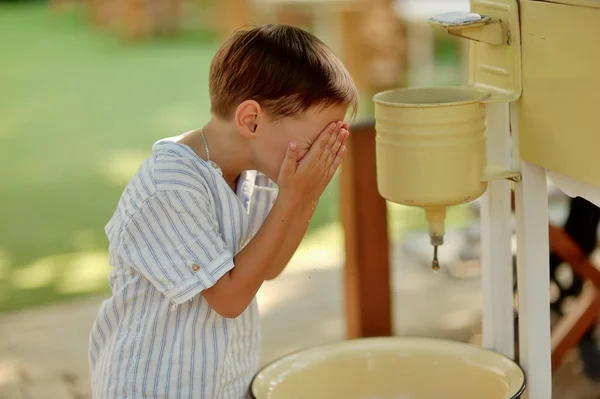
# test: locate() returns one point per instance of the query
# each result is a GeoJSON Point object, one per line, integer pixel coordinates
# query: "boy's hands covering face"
{"type": "Point", "coordinates": [305, 180]}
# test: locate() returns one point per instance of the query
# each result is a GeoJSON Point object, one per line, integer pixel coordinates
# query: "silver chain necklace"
{"type": "Point", "coordinates": [205, 144]}
{"type": "Point", "coordinates": [212, 163]}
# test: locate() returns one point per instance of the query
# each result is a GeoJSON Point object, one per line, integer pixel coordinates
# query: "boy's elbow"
{"type": "Point", "coordinates": [229, 313]}
{"type": "Point", "coordinates": [225, 307]}
{"type": "Point", "coordinates": [272, 276]}
{"type": "Point", "coordinates": [221, 299]}
{"type": "Point", "coordinates": [274, 273]}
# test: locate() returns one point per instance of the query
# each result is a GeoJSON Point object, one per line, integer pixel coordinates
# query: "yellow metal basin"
{"type": "Point", "coordinates": [390, 368]}
{"type": "Point", "coordinates": [430, 145]}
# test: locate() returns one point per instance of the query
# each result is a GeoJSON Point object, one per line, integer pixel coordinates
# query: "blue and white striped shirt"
{"type": "Point", "coordinates": [175, 232]}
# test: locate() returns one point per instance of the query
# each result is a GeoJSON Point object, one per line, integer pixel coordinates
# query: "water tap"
{"type": "Point", "coordinates": [436, 241]}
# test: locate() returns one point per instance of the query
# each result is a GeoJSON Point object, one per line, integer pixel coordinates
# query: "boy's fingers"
{"type": "Point", "coordinates": [344, 140]}
{"type": "Point", "coordinates": [333, 137]}
{"type": "Point", "coordinates": [338, 160]}
{"type": "Point", "coordinates": [291, 157]}
{"type": "Point", "coordinates": [333, 150]}
{"type": "Point", "coordinates": [343, 135]}
{"type": "Point", "coordinates": [318, 147]}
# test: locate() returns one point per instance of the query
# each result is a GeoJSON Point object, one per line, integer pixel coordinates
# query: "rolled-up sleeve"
{"type": "Point", "coordinates": [264, 196]}
{"type": "Point", "coordinates": [173, 240]}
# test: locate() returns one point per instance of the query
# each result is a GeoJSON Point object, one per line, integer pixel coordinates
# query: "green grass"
{"type": "Point", "coordinates": [79, 111]}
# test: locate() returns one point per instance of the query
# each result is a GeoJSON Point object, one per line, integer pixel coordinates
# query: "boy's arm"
{"type": "Point", "coordinates": [232, 294]}
{"type": "Point", "coordinates": [298, 231]}
{"type": "Point", "coordinates": [300, 183]}
{"type": "Point", "coordinates": [293, 239]}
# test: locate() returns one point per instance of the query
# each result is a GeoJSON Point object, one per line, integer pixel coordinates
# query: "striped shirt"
{"type": "Point", "coordinates": [174, 233]}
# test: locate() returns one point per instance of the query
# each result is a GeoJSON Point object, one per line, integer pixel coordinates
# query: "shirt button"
{"type": "Point", "coordinates": [195, 268]}
{"type": "Point", "coordinates": [214, 164]}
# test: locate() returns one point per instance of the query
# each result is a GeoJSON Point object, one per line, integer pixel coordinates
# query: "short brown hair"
{"type": "Point", "coordinates": [285, 69]}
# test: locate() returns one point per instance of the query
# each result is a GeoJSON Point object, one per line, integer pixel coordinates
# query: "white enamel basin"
{"type": "Point", "coordinates": [390, 368]}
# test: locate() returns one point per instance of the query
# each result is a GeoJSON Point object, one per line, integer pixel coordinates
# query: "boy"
{"type": "Point", "coordinates": [201, 225]}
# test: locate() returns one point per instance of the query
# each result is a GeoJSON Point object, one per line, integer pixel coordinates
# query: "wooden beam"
{"type": "Point", "coordinates": [567, 249]}
{"type": "Point", "coordinates": [569, 330]}
{"type": "Point", "coordinates": [364, 218]}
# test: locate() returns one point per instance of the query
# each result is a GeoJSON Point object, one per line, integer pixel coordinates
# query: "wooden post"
{"type": "Point", "coordinates": [60, 6]}
{"type": "Point", "coordinates": [371, 45]}
{"type": "Point", "coordinates": [233, 15]}
{"type": "Point", "coordinates": [103, 13]}
{"type": "Point", "coordinates": [296, 16]}
{"type": "Point", "coordinates": [364, 217]}
{"type": "Point", "coordinates": [166, 17]}
{"type": "Point", "coordinates": [134, 21]}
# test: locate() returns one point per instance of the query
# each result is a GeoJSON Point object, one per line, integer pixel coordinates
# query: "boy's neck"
{"type": "Point", "coordinates": [226, 148]}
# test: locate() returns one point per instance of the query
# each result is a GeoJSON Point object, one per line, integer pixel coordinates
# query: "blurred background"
{"type": "Point", "coordinates": [86, 88]}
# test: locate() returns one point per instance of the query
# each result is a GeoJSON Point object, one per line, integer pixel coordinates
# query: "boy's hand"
{"type": "Point", "coordinates": [305, 180]}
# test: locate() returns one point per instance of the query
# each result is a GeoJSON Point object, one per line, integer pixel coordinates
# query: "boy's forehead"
{"type": "Point", "coordinates": [321, 117]}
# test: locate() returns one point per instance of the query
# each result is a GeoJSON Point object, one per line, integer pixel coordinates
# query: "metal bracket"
{"type": "Point", "coordinates": [493, 29]}
{"type": "Point", "coordinates": [472, 26]}
{"type": "Point", "coordinates": [493, 172]}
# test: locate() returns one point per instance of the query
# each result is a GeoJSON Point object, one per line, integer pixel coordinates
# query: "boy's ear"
{"type": "Point", "coordinates": [246, 118]}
